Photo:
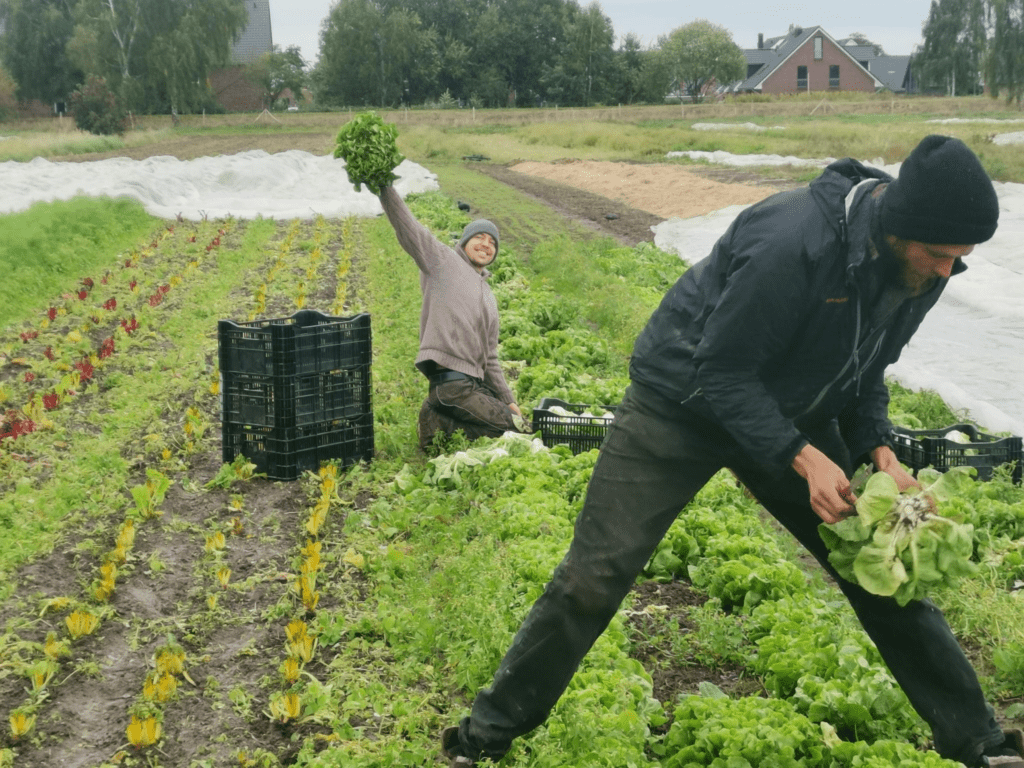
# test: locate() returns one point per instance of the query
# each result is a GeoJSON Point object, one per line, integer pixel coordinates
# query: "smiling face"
{"type": "Point", "coordinates": [921, 264]}
{"type": "Point", "coordinates": [481, 250]}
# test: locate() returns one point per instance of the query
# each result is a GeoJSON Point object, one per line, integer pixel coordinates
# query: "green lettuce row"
{"type": "Point", "coordinates": [812, 652]}
{"type": "Point", "coordinates": [726, 550]}
{"type": "Point", "coordinates": [807, 649]}
{"type": "Point", "coordinates": [517, 511]}
{"type": "Point", "coordinates": [714, 731]}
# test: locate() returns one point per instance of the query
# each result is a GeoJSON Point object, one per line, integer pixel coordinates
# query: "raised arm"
{"type": "Point", "coordinates": [415, 239]}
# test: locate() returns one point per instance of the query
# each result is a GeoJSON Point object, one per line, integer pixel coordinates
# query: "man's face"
{"type": "Point", "coordinates": [481, 249]}
{"type": "Point", "coordinates": [921, 264]}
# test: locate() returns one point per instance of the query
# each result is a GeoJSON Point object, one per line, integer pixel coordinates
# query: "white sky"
{"type": "Point", "coordinates": [970, 348]}
{"type": "Point", "coordinates": [893, 24]}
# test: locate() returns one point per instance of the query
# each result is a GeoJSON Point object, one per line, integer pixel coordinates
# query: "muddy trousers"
{"type": "Point", "coordinates": [656, 457]}
{"type": "Point", "coordinates": [466, 404]}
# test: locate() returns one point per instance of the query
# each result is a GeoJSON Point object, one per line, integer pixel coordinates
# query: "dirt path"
{"type": "Point", "coordinates": [665, 190]}
{"type": "Point", "coordinates": [625, 200]}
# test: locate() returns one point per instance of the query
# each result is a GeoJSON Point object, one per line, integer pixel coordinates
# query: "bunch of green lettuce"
{"type": "Point", "coordinates": [367, 145]}
{"type": "Point", "coordinates": [900, 544]}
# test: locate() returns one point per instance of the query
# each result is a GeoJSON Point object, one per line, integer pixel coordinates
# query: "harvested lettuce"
{"type": "Point", "coordinates": [368, 146]}
{"type": "Point", "coordinates": [900, 544]}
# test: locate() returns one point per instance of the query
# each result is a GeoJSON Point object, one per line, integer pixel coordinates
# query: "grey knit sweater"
{"type": "Point", "coordinates": [459, 318]}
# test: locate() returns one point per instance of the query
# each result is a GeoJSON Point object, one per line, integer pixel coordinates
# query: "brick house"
{"type": "Point", "coordinates": [231, 88]}
{"type": "Point", "coordinates": [810, 60]}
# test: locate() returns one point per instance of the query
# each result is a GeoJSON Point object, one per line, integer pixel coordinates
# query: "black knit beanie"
{"type": "Point", "coordinates": [942, 196]}
{"type": "Point", "coordinates": [475, 228]}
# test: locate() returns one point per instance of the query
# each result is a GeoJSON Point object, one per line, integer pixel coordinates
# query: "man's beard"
{"type": "Point", "coordinates": [894, 270]}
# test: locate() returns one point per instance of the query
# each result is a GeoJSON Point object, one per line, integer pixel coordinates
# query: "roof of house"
{"type": "Point", "coordinates": [860, 52]}
{"type": "Point", "coordinates": [257, 39]}
{"type": "Point", "coordinates": [777, 50]}
{"type": "Point", "coordinates": [891, 70]}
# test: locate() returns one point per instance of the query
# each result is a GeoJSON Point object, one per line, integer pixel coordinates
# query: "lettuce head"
{"type": "Point", "coordinates": [900, 545]}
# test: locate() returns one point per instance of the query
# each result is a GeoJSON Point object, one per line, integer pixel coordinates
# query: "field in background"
{"type": "Point", "coordinates": [805, 126]}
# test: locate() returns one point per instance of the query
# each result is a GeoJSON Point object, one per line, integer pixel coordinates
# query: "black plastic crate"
{"type": "Point", "coordinates": [580, 433]}
{"type": "Point", "coordinates": [295, 401]}
{"type": "Point", "coordinates": [296, 391]}
{"type": "Point", "coordinates": [307, 342]}
{"type": "Point", "coordinates": [286, 454]}
{"type": "Point", "coordinates": [919, 448]}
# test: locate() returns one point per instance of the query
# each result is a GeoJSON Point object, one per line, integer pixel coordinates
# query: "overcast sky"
{"type": "Point", "coordinates": [893, 24]}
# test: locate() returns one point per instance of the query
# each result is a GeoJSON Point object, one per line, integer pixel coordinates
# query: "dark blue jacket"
{"type": "Point", "coordinates": [769, 335]}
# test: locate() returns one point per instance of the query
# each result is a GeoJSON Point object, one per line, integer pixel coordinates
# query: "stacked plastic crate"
{"type": "Point", "coordinates": [296, 392]}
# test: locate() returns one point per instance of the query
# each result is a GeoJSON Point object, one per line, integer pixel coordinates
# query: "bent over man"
{"type": "Point", "coordinates": [768, 358]}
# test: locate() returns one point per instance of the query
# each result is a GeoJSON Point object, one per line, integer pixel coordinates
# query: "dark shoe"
{"type": "Point", "coordinates": [1009, 754]}
{"type": "Point", "coordinates": [450, 749]}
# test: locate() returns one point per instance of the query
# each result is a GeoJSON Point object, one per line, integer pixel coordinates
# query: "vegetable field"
{"type": "Point", "coordinates": [161, 608]}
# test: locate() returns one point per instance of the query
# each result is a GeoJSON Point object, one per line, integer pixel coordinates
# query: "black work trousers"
{"type": "Point", "coordinates": [467, 404]}
{"type": "Point", "coordinates": [656, 457]}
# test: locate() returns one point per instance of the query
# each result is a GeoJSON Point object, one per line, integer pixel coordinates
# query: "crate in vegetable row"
{"type": "Point", "coordinates": [296, 391]}
{"type": "Point", "coordinates": [286, 454]}
{"type": "Point", "coordinates": [307, 342]}
{"type": "Point", "coordinates": [958, 445]}
{"type": "Point", "coordinates": [562, 423]}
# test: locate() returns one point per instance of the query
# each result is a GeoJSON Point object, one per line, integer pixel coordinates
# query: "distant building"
{"type": "Point", "coordinates": [810, 60]}
{"type": "Point", "coordinates": [257, 39]}
{"type": "Point", "coordinates": [231, 88]}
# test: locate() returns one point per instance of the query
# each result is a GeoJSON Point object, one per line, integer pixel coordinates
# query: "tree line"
{"type": "Point", "coordinates": [973, 44]}
{"type": "Point", "coordinates": [496, 53]}
{"type": "Point", "coordinates": [156, 56]}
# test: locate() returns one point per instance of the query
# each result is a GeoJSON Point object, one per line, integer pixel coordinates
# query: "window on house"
{"type": "Point", "coordinates": [801, 78]}
{"type": "Point", "coordinates": [833, 76]}
{"type": "Point", "coordinates": [817, 49]}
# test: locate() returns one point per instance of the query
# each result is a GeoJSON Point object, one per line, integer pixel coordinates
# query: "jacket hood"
{"type": "Point", "coordinates": [841, 193]}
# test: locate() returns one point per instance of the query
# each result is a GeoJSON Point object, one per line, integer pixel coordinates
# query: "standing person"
{"type": "Point", "coordinates": [458, 328]}
{"type": "Point", "coordinates": [767, 358]}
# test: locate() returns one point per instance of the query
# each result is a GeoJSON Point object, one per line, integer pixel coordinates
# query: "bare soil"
{"type": "Point", "coordinates": [626, 200]}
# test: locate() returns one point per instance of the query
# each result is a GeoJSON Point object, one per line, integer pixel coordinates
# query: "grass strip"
{"type": "Point", "coordinates": [46, 249]}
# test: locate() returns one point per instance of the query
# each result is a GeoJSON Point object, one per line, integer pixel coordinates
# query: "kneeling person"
{"type": "Point", "coordinates": [458, 328]}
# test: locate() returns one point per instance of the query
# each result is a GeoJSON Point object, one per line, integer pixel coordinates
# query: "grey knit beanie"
{"type": "Point", "coordinates": [475, 228]}
{"type": "Point", "coordinates": [942, 196]}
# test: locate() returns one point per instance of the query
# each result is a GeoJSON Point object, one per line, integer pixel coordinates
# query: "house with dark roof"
{"type": "Point", "coordinates": [810, 60]}
{"type": "Point", "coordinates": [231, 87]}
{"type": "Point", "coordinates": [257, 38]}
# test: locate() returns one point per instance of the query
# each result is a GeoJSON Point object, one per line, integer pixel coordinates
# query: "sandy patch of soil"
{"type": "Point", "coordinates": [664, 190]}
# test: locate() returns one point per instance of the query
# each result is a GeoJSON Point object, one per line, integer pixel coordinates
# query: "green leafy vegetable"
{"type": "Point", "coordinates": [367, 145]}
{"type": "Point", "coordinates": [899, 544]}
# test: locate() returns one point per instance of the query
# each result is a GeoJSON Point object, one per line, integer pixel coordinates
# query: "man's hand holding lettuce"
{"type": "Point", "coordinates": [900, 544]}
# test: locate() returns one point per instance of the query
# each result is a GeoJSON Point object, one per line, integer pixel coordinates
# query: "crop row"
{"type": "Point", "coordinates": [61, 353]}
{"type": "Point", "coordinates": [175, 444]}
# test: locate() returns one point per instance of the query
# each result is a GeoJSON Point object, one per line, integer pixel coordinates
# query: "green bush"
{"type": "Point", "coordinates": [8, 101]}
{"type": "Point", "coordinates": [96, 108]}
